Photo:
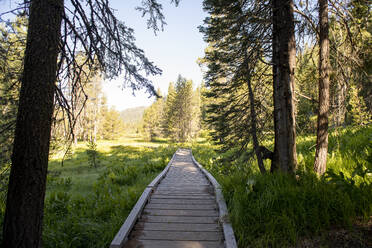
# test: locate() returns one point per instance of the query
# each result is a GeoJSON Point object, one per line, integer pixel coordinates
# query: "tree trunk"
{"type": "Point", "coordinates": [256, 145]}
{"type": "Point", "coordinates": [284, 59]}
{"type": "Point", "coordinates": [322, 130]}
{"type": "Point", "coordinates": [26, 190]}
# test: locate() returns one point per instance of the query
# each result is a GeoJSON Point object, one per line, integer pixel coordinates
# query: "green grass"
{"type": "Point", "coordinates": [277, 210]}
{"type": "Point", "coordinates": [85, 206]}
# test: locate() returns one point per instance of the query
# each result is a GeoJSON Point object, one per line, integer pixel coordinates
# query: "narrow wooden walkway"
{"type": "Point", "coordinates": [181, 212]}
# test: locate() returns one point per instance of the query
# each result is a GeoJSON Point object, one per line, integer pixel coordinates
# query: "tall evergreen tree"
{"type": "Point", "coordinates": [12, 45]}
{"type": "Point", "coordinates": [26, 190]}
{"type": "Point", "coordinates": [168, 116]}
{"type": "Point", "coordinates": [238, 75]}
{"type": "Point", "coordinates": [50, 54]}
{"type": "Point", "coordinates": [323, 109]}
{"type": "Point", "coordinates": [153, 118]}
{"type": "Point", "coordinates": [284, 60]}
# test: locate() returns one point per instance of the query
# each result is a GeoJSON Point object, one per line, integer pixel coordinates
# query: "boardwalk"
{"type": "Point", "coordinates": [181, 212]}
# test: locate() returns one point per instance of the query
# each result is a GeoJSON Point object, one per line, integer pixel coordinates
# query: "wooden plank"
{"type": "Point", "coordinates": [181, 194]}
{"type": "Point", "coordinates": [171, 212]}
{"type": "Point", "coordinates": [228, 231]}
{"type": "Point", "coordinates": [125, 229]}
{"type": "Point", "coordinates": [183, 201]}
{"type": "Point", "coordinates": [173, 244]}
{"type": "Point", "coordinates": [179, 219]}
{"type": "Point", "coordinates": [184, 185]}
{"type": "Point", "coordinates": [167, 235]}
{"type": "Point", "coordinates": [150, 226]}
{"type": "Point", "coordinates": [188, 188]}
{"type": "Point", "coordinates": [159, 196]}
{"type": "Point", "coordinates": [184, 192]}
{"type": "Point", "coordinates": [183, 206]}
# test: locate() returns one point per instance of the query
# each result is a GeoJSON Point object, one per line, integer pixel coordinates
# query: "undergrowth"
{"type": "Point", "coordinates": [86, 205]}
{"type": "Point", "coordinates": [278, 210]}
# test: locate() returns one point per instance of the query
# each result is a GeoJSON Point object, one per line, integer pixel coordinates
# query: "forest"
{"type": "Point", "coordinates": [282, 119]}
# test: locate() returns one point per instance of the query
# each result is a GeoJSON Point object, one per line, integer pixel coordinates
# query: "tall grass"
{"type": "Point", "coordinates": [86, 205]}
{"type": "Point", "coordinates": [278, 210]}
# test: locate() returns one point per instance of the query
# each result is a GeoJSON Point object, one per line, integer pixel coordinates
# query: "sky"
{"type": "Point", "coordinates": [174, 50]}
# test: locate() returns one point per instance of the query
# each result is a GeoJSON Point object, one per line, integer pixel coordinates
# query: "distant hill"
{"type": "Point", "coordinates": [132, 115]}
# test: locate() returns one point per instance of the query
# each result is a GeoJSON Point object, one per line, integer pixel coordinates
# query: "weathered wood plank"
{"type": "Point", "coordinates": [228, 231]}
{"type": "Point", "coordinates": [178, 206]}
{"type": "Point", "coordinates": [188, 227]}
{"type": "Point", "coordinates": [182, 201]}
{"type": "Point", "coordinates": [159, 196]}
{"type": "Point", "coordinates": [188, 189]}
{"type": "Point", "coordinates": [179, 219]}
{"type": "Point", "coordinates": [173, 244]}
{"type": "Point", "coordinates": [180, 212]}
{"type": "Point", "coordinates": [186, 210]}
{"type": "Point", "coordinates": [182, 194]}
{"type": "Point", "coordinates": [125, 229]}
{"type": "Point", "coordinates": [184, 185]}
{"type": "Point", "coordinates": [167, 235]}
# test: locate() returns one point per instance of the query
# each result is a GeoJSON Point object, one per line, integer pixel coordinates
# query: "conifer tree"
{"type": "Point", "coordinates": [50, 52]}
{"type": "Point", "coordinates": [152, 119]}
{"type": "Point", "coordinates": [236, 79]}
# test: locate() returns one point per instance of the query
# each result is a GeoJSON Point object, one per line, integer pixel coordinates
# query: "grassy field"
{"type": "Point", "coordinates": [86, 205]}
{"type": "Point", "coordinates": [276, 210]}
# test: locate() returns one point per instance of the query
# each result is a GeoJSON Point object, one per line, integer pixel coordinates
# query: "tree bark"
{"type": "Point", "coordinates": [256, 145]}
{"type": "Point", "coordinates": [284, 59]}
{"type": "Point", "coordinates": [322, 127]}
{"type": "Point", "coordinates": [26, 190]}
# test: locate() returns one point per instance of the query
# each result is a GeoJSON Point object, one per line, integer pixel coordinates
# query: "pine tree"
{"type": "Point", "coordinates": [12, 45]}
{"type": "Point", "coordinates": [168, 117]}
{"type": "Point", "coordinates": [321, 152]}
{"type": "Point", "coordinates": [152, 119]}
{"type": "Point", "coordinates": [50, 54]}
{"type": "Point", "coordinates": [236, 80]}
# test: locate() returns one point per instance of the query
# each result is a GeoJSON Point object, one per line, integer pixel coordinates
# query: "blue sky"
{"type": "Point", "coordinates": [175, 50]}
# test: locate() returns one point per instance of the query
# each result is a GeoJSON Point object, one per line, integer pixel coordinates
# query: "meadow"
{"type": "Point", "coordinates": [86, 203]}
{"type": "Point", "coordinates": [278, 210]}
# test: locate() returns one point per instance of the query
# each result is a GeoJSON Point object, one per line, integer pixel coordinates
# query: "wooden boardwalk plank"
{"type": "Point", "coordinates": [183, 201]}
{"type": "Point", "coordinates": [182, 210]}
{"type": "Point", "coordinates": [183, 206]}
{"type": "Point", "coordinates": [179, 219]}
{"type": "Point", "coordinates": [175, 235]}
{"type": "Point", "coordinates": [173, 244]}
{"type": "Point", "coordinates": [187, 227]}
{"type": "Point", "coordinates": [200, 197]}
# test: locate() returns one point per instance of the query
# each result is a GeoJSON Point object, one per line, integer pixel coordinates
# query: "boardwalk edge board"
{"type": "Point", "coordinates": [228, 231]}
{"type": "Point", "coordinates": [126, 228]}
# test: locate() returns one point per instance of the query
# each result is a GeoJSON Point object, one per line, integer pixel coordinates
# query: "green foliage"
{"type": "Point", "coordinates": [12, 45]}
{"type": "Point", "coordinates": [278, 210]}
{"type": "Point", "coordinates": [152, 119]}
{"type": "Point", "coordinates": [112, 124]}
{"type": "Point", "coordinates": [85, 206]}
{"type": "Point", "coordinates": [92, 153]}
{"type": "Point", "coordinates": [358, 110]}
{"type": "Point", "coordinates": [178, 117]}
